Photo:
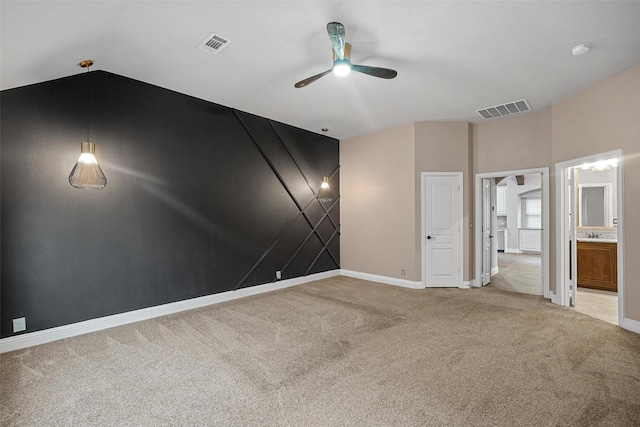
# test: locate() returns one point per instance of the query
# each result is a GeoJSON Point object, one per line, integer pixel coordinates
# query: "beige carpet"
{"type": "Point", "coordinates": [337, 352]}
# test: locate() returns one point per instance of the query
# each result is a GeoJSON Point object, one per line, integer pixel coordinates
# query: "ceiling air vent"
{"type": "Point", "coordinates": [214, 43]}
{"type": "Point", "coordinates": [505, 109]}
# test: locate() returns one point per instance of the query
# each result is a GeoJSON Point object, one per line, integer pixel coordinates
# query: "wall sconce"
{"type": "Point", "coordinates": [325, 195]}
{"type": "Point", "coordinates": [87, 172]}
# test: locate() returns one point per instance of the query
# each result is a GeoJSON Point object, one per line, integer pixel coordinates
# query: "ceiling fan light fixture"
{"type": "Point", "coordinates": [341, 67]}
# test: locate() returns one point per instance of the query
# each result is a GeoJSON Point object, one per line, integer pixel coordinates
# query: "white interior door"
{"type": "Point", "coordinates": [486, 231]}
{"type": "Point", "coordinates": [442, 222]}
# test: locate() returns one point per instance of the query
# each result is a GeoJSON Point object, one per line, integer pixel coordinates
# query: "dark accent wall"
{"type": "Point", "coordinates": [200, 199]}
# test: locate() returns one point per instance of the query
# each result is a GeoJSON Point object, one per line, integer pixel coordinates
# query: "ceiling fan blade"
{"type": "Point", "coordinates": [309, 80]}
{"type": "Point", "coordinates": [384, 73]}
{"type": "Point", "coordinates": [336, 34]}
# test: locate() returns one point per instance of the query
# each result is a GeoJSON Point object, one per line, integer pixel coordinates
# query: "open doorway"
{"type": "Point", "coordinates": [516, 226]}
{"type": "Point", "coordinates": [590, 236]}
{"type": "Point", "coordinates": [512, 237]}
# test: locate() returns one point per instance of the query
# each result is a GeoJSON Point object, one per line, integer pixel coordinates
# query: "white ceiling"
{"type": "Point", "coordinates": [452, 57]}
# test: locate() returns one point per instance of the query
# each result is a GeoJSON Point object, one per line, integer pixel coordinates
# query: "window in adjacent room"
{"type": "Point", "coordinates": [533, 212]}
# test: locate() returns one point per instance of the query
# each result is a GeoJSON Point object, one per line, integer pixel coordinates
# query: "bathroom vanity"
{"type": "Point", "coordinates": [598, 264]}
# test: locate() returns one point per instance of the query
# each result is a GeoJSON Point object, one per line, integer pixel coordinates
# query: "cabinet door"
{"type": "Point", "coordinates": [598, 265]}
{"type": "Point", "coordinates": [530, 240]}
{"type": "Point", "coordinates": [501, 207]}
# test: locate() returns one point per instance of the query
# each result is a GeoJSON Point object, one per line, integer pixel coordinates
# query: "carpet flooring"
{"type": "Point", "coordinates": [337, 352]}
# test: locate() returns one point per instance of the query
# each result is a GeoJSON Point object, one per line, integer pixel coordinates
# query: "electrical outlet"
{"type": "Point", "coordinates": [19, 324]}
{"type": "Point", "coordinates": [278, 274]}
{"type": "Point", "coordinates": [402, 272]}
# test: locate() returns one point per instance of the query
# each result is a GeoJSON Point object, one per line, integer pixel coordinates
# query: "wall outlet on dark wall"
{"type": "Point", "coordinates": [19, 324]}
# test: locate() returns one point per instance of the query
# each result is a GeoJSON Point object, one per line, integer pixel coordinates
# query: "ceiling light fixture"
{"type": "Point", "coordinates": [581, 49]}
{"type": "Point", "coordinates": [342, 59]}
{"type": "Point", "coordinates": [87, 172]}
{"type": "Point", "coordinates": [600, 166]}
{"type": "Point", "coordinates": [342, 67]}
{"type": "Point", "coordinates": [325, 195]}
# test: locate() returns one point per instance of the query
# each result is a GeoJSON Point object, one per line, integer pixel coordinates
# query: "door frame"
{"type": "Point", "coordinates": [423, 236]}
{"type": "Point", "coordinates": [561, 296]}
{"type": "Point", "coordinates": [544, 273]}
{"type": "Point", "coordinates": [487, 218]}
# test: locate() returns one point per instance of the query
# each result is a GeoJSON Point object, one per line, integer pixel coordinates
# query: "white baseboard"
{"type": "Point", "coordinates": [383, 279]}
{"type": "Point", "coordinates": [48, 335]}
{"type": "Point", "coordinates": [495, 270]}
{"type": "Point", "coordinates": [630, 325]}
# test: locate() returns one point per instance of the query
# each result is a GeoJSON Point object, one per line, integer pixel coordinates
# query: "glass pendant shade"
{"type": "Point", "coordinates": [325, 195]}
{"type": "Point", "coordinates": [87, 172]}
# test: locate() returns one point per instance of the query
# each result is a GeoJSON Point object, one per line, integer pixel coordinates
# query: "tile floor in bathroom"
{"type": "Point", "coordinates": [602, 305]}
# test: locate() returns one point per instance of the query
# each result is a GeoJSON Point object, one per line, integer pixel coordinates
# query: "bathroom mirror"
{"type": "Point", "coordinates": [595, 205]}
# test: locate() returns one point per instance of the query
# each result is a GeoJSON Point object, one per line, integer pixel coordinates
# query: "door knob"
{"type": "Point", "coordinates": [428, 237]}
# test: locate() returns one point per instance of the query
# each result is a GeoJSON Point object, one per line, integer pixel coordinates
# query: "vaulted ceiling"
{"type": "Point", "coordinates": [452, 57]}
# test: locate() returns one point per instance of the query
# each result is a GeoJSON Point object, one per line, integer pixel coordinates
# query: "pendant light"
{"type": "Point", "coordinates": [87, 172]}
{"type": "Point", "coordinates": [325, 195]}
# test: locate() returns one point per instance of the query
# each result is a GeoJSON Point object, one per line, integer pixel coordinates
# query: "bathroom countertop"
{"type": "Point", "coordinates": [596, 239]}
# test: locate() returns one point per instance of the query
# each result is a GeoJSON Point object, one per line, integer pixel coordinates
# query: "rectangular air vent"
{"type": "Point", "coordinates": [505, 109]}
{"type": "Point", "coordinates": [214, 43]}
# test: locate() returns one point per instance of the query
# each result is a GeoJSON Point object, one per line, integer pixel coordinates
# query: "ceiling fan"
{"type": "Point", "coordinates": [342, 59]}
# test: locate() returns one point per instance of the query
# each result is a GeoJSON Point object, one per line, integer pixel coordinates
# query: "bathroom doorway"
{"type": "Point", "coordinates": [590, 236]}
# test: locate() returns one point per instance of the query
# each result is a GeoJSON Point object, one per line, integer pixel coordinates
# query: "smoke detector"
{"type": "Point", "coordinates": [581, 49]}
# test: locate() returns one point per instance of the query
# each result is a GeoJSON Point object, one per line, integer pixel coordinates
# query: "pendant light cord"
{"type": "Point", "coordinates": [87, 63]}
{"type": "Point", "coordinates": [89, 98]}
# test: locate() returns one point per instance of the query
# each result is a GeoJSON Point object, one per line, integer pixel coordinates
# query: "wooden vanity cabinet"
{"type": "Point", "coordinates": [598, 265]}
